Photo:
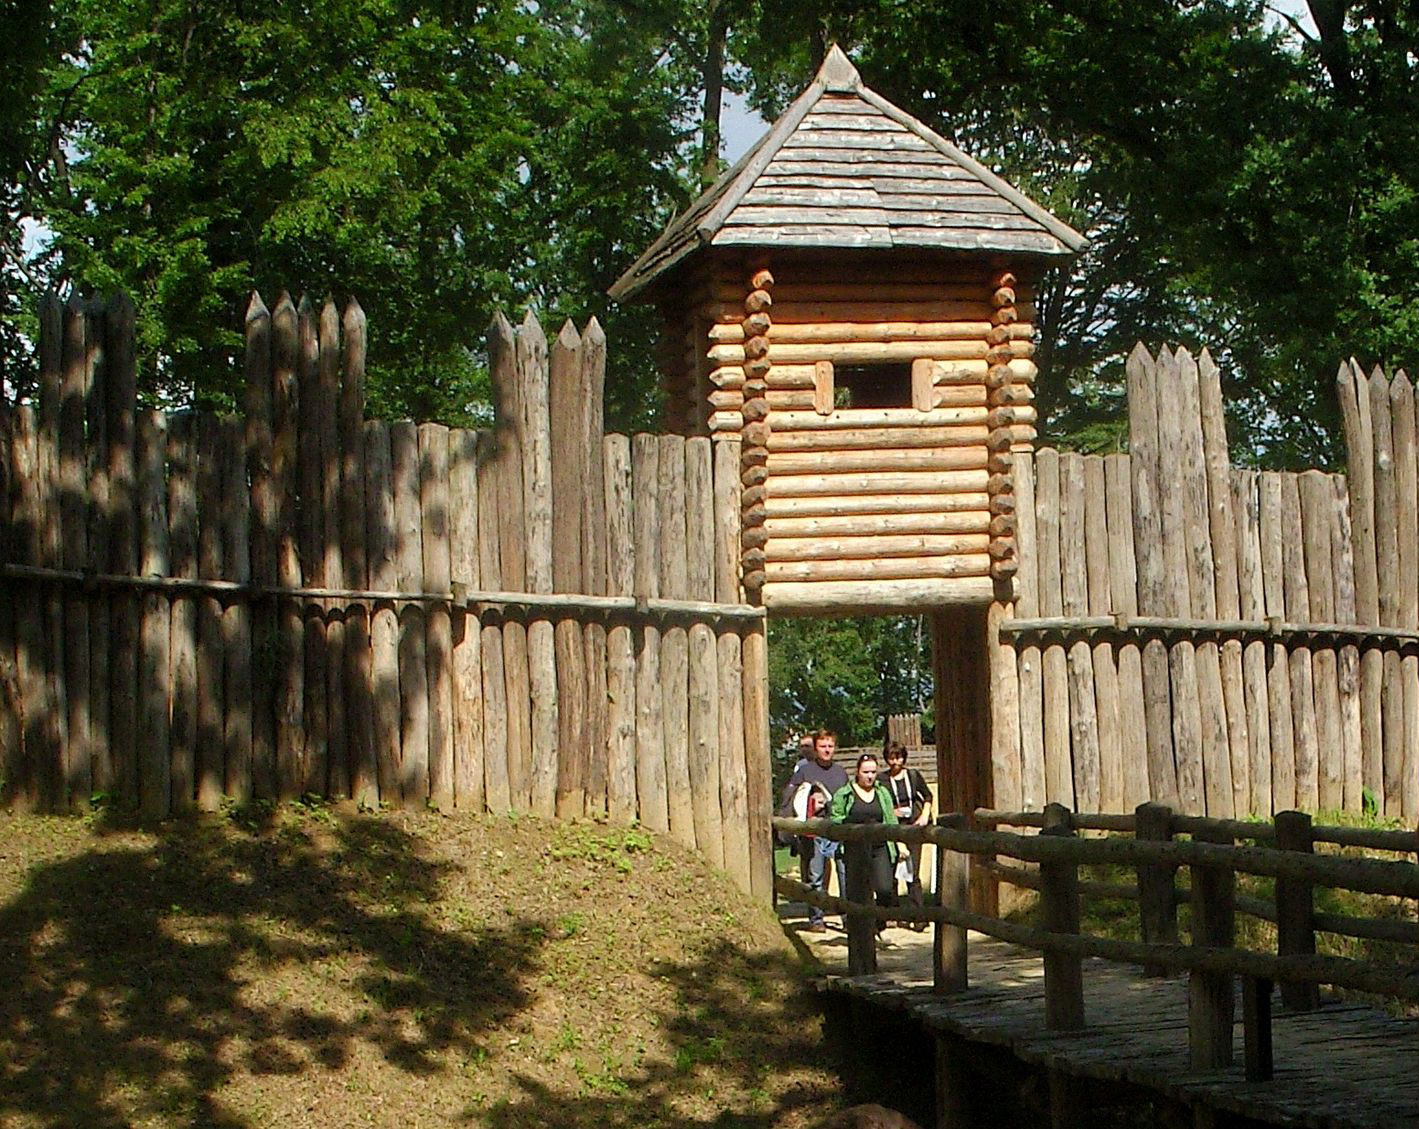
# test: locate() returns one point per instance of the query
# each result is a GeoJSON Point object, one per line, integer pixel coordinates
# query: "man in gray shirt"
{"type": "Point", "coordinates": [813, 783]}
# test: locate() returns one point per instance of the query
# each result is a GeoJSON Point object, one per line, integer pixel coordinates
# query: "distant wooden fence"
{"type": "Point", "coordinates": [1282, 851]}
{"type": "Point", "coordinates": [301, 601]}
{"type": "Point", "coordinates": [1221, 640]}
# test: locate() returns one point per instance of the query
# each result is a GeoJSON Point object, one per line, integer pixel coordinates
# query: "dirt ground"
{"type": "Point", "coordinates": [313, 967]}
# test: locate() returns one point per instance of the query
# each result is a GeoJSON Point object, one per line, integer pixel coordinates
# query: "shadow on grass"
{"type": "Point", "coordinates": [718, 1077]}
{"type": "Point", "coordinates": [184, 978]}
{"type": "Point", "coordinates": [127, 969]}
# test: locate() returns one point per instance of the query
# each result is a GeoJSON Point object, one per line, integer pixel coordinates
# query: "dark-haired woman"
{"type": "Point", "coordinates": [911, 799]}
{"type": "Point", "coordinates": [864, 800]}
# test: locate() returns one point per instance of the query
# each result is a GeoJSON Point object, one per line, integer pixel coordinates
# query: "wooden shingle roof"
{"type": "Point", "coordinates": [844, 168]}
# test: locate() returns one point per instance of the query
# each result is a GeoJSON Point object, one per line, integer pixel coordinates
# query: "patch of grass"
{"type": "Point", "coordinates": [609, 846]}
{"type": "Point", "coordinates": [696, 1052]}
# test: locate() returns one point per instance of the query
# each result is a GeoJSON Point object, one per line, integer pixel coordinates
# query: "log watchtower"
{"type": "Point", "coordinates": [852, 300]}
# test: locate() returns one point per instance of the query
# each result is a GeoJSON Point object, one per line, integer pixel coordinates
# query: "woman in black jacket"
{"type": "Point", "coordinates": [911, 800]}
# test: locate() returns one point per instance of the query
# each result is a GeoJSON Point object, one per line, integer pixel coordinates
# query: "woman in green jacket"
{"type": "Point", "coordinates": [863, 800]}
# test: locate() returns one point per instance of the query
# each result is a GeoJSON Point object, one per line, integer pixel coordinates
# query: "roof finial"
{"type": "Point", "coordinates": [837, 72]}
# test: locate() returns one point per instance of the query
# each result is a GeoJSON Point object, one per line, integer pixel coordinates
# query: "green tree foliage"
{"type": "Point", "coordinates": [847, 675]}
{"type": "Point", "coordinates": [437, 160]}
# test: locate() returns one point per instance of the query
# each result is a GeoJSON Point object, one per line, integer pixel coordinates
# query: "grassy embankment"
{"type": "Point", "coordinates": [308, 967]}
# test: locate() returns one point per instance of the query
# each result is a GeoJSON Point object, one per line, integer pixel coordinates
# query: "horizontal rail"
{"type": "Point", "coordinates": [1370, 838]}
{"type": "Point", "coordinates": [1368, 876]}
{"type": "Point", "coordinates": [1230, 628]}
{"type": "Point", "coordinates": [1345, 925]}
{"type": "Point", "coordinates": [1342, 972]}
{"type": "Point", "coordinates": [460, 596]}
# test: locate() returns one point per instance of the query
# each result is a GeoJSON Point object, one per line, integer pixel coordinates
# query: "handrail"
{"type": "Point", "coordinates": [1369, 838]}
{"type": "Point", "coordinates": [1366, 876]}
{"type": "Point", "coordinates": [1212, 959]}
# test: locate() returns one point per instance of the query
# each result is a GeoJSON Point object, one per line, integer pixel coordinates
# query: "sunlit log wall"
{"type": "Point", "coordinates": [875, 507]}
{"type": "Point", "coordinates": [300, 601]}
{"type": "Point", "coordinates": [1229, 641]}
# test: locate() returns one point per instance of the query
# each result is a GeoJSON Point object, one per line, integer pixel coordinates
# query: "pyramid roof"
{"type": "Point", "coordinates": [844, 168]}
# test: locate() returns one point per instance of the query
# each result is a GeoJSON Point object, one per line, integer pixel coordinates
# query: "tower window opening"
{"type": "Point", "coordinates": [873, 386]}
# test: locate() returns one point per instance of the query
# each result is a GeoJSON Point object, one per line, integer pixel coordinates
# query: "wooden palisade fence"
{"type": "Point", "coordinates": [537, 617]}
{"type": "Point", "coordinates": [1225, 641]}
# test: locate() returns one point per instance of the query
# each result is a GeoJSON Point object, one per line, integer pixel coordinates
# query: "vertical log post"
{"type": "Point", "coordinates": [236, 615]}
{"type": "Point", "coordinates": [536, 436]}
{"type": "Point", "coordinates": [857, 915]}
{"type": "Point", "coordinates": [1353, 391]}
{"type": "Point", "coordinates": [359, 653]}
{"type": "Point", "coordinates": [594, 565]}
{"type": "Point", "coordinates": [1029, 656]}
{"type": "Point", "coordinates": [1256, 1028]}
{"type": "Point", "coordinates": [309, 769]}
{"type": "Point", "coordinates": [1059, 899]}
{"type": "Point", "coordinates": [413, 621]}
{"type": "Point", "coordinates": [1157, 903]}
{"type": "Point", "coordinates": [620, 642]}
{"type": "Point", "coordinates": [1152, 573]}
{"type": "Point", "coordinates": [1210, 994]}
{"type": "Point", "coordinates": [468, 751]}
{"type": "Point", "coordinates": [155, 769]}
{"type": "Point", "coordinates": [77, 780]}
{"type": "Point", "coordinates": [438, 641]}
{"type": "Point", "coordinates": [259, 440]}
{"type": "Point", "coordinates": [11, 705]}
{"type": "Point", "coordinates": [182, 561]}
{"type": "Point", "coordinates": [382, 555]}
{"type": "Point", "coordinates": [674, 640]}
{"type": "Point", "coordinates": [759, 787]}
{"type": "Point", "coordinates": [704, 714]}
{"type": "Point", "coordinates": [1295, 932]}
{"type": "Point", "coordinates": [955, 1085]}
{"type": "Point", "coordinates": [497, 749]}
{"type": "Point", "coordinates": [1224, 549]}
{"type": "Point", "coordinates": [333, 777]}
{"type": "Point", "coordinates": [30, 628]}
{"type": "Point", "coordinates": [949, 971]}
{"type": "Point", "coordinates": [289, 655]}
{"type": "Point", "coordinates": [211, 690]}
{"type": "Point", "coordinates": [100, 523]}
{"type": "Point", "coordinates": [505, 509]}
{"type": "Point", "coordinates": [570, 460]}
{"type": "Point", "coordinates": [650, 738]}
{"type": "Point", "coordinates": [121, 386]}
{"type": "Point", "coordinates": [52, 754]}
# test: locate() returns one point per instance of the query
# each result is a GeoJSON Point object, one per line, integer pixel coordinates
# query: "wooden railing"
{"type": "Point", "coordinates": [1282, 850]}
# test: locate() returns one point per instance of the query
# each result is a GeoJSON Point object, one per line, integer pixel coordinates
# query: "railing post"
{"type": "Point", "coordinates": [1157, 899]}
{"type": "Point", "coordinates": [1256, 1027]}
{"type": "Point", "coordinates": [953, 873]}
{"type": "Point", "coordinates": [1059, 898]}
{"type": "Point", "coordinates": [1295, 932]}
{"type": "Point", "coordinates": [861, 927]}
{"type": "Point", "coordinates": [1210, 994]}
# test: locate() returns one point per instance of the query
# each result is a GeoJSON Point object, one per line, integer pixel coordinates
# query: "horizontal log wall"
{"type": "Point", "coordinates": [1228, 641]}
{"type": "Point", "coordinates": [877, 507]}
{"type": "Point", "coordinates": [200, 609]}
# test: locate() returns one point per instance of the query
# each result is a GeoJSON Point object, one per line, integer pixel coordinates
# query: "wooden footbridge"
{"type": "Point", "coordinates": [1091, 1022]}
